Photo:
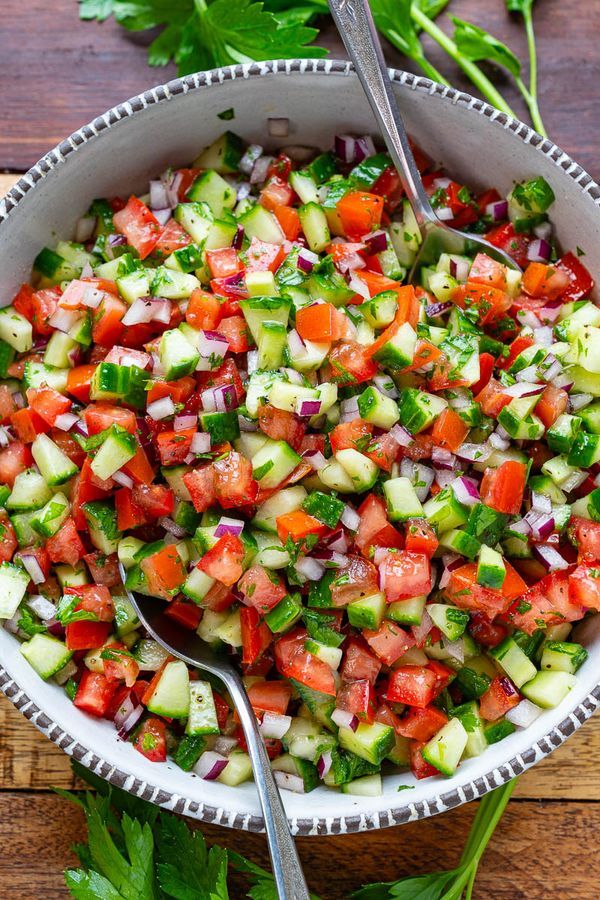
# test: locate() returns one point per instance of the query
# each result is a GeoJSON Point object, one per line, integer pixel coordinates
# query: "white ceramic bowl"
{"type": "Point", "coordinates": [119, 152]}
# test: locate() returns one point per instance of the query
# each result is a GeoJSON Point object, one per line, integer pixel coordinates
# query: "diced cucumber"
{"type": "Point", "coordinates": [381, 309]}
{"type": "Point", "coordinates": [514, 661]}
{"type": "Point", "coordinates": [171, 696]}
{"type": "Point", "coordinates": [272, 340]}
{"type": "Point", "coordinates": [13, 585]}
{"type": "Point", "coordinates": [58, 350]}
{"type": "Point", "coordinates": [445, 512]}
{"type": "Point", "coordinates": [367, 786]}
{"type": "Point", "coordinates": [449, 619]}
{"type": "Point", "coordinates": [55, 466]}
{"type": "Point", "coordinates": [15, 330]}
{"type": "Point", "coordinates": [134, 285]}
{"type": "Point", "coordinates": [37, 375]}
{"type": "Point", "coordinates": [402, 501]}
{"type": "Point", "coordinates": [561, 656]}
{"type": "Point", "coordinates": [362, 471]}
{"type": "Point", "coordinates": [399, 351]}
{"type": "Point", "coordinates": [101, 519]}
{"type": "Point", "coordinates": [549, 688]}
{"type": "Point", "coordinates": [315, 226]}
{"type": "Point", "coordinates": [285, 614]}
{"type": "Point", "coordinates": [468, 715]}
{"type": "Point", "coordinates": [126, 618]}
{"type": "Point", "coordinates": [29, 491]}
{"type": "Point", "coordinates": [367, 612]}
{"type": "Point", "coordinates": [115, 382]}
{"type": "Point", "coordinates": [223, 155]}
{"type": "Point", "coordinates": [445, 749]}
{"type": "Point", "coordinates": [300, 767]}
{"type": "Point", "coordinates": [209, 187]}
{"type": "Point", "coordinates": [197, 585]}
{"type": "Point", "coordinates": [458, 541]}
{"type": "Point", "coordinates": [491, 570]}
{"type": "Point", "coordinates": [259, 223]}
{"type": "Point", "coordinates": [284, 501]}
{"type": "Point", "coordinates": [203, 715]}
{"type": "Point", "coordinates": [50, 517]}
{"type": "Point", "coordinates": [370, 742]}
{"type": "Point", "coordinates": [46, 654]}
{"type": "Point", "coordinates": [335, 477]}
{"type": "Point", "coordinates": [177, 356]}
{"type": "Point", "coordinates": [419, 410]}
{"type": "Point", "coordinates": [172, 285]}
{"type": "Point", "coordinates": [118, 448]}
{"type": "Point", "coordinates": [376, 408]}
{"type": "Point", "coordinates": [237, 770]}
{"type": "Point", "coordinates": [273, 463]}
{"type": "Point", "coordinates": [71, 576]}
{"type": "Point", "coordinates": [407, 612]}
{"type": "Point", "coordinates": [257, 310]}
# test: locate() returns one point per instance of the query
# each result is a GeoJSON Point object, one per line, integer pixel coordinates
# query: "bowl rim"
{"type": "Point", "coordinates": [365, 819]}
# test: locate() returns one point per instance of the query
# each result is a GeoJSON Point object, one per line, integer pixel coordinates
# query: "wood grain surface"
{"type": "Point", "coordinates": [57, 73]}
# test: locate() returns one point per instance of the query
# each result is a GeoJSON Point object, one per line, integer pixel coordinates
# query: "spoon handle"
{"type": "Point", "coordinates": [357, 29]}
{"type": "Point", "coordinates": [287, 869]}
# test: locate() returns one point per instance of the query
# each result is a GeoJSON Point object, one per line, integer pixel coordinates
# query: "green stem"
{"type": "Point", "coordinates": [479, 79]}
{"type": "Point", "coordinates": [534, 109]}
{"type": "Point", "coordinates": [421, 60]}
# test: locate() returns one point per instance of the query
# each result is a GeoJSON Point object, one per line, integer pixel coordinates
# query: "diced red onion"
{"type": "Point", "coordinates": [246, 163]}
{"type": "Point", "coordinates": [162, 216]}
{"type": "Point", "coordinates": [524, 714]}
{"type": "Point", "coordinates": [229, 526]}
{"type": "Point", "coordinates": [466, 491]}
{"type": "Point", "coordinates": [293, 376]}
{"type": "Point", "coordinates": [497, 211]}
{"type": "Point", "coordinates": [324, 764]}
{"type": "Point", "coordinates": [521, 526]}
{"type": "Point", "coordinates": [386, 386]}
{"type": "Point", "coordinates": [161, 409]}
{"type": "Point", "coordinates": [288, 782]}
{"type": "Point", "coordinates": [56, 628]}
{"type": "Point", "coordinates": [474, 452]}
{"type": "Point", "coordinates": [552, 372]}
{"type": "Point", "coordinates": [402, 437]}
{"type": "Point", "coordinates": [159, 198]}
{"type": "Point", "coordinates": [529, 318]}
{"type": "Point", "coordinates": [357, 285]}
{"type": "Point", "coordinates": [275, 726]}
{"type": "Point", "coordinates": [123, 479]}
{"type": "Point", "coordinates": [351, 263]}
{"type": "Point", "coordinates": [128, 715]}
{"type": "Point", "coordinates": [444, 213]}
{"type": "Point", "coordinates": [278, 126]}
{"type": "Point", "coordinates": [200, 443]}
{"type": "Point", "coordinates": [433, 310]}
{"type": "Point", "coordinates": [377, 241]}
{"type": "Point", "coordinates": [539, 251]}
{"type": "Point", "coordinates": [456, 649]}
{"type": "Point", "coordinates": [309, 568]}
{"type": "Point", "coordinates": [573, 481]}
{"type": "Point", "coordinates": [306, 408]}
{"type": "Point", "coordinates": [529, 375]}
{"type": "Point", "coordinates": [544, 336]}
{"type": "Point", "coordinates": [5, 437]}
{"type": "Point", "coordinates": [444, 478]}
{"type": "Point", "coordinates": [65, 421]}
{"type": "Point", "coordinates": [64, 319]}
{"type": "Point", "coordinates": [336, 560]}
{"type": "Point", "coordinates": [350, 518]}
{"type": "Point", "coordinates": [247, 425]}
{"type": "Point", "coordinates": [315, 458]}
{"type": "Point", "coordinates": [117, 240]}
{"type": "Point", "coordinates": [364, 147]}
{"type": "Point", "coordinates": [41, 606]}
{"type": "Point", "coordinates": [549, 557]}
{"type": "Point", "coordinates": [540, 502]}
{"type": "Point", "coordinates": [183, 423]}
{"type": "Point", "coordinates": [421, 630]}
{"type": "Point", "coordinates": [541, 524]}
{"type": "Point", "coordinates": [344, 719]}
{"type": "Point", "coordinates": [260, 169]}
{"type": "Point", "coordinates": [523, 389]}
{"type": "Point", "coordinates": [210, 765]}
{"type": "Point", "coordinates": [213, 348]}
{"type": "Point", "coordinates": [224, 744]}
{"type": "Point", "coordinates": [307, 260]}
{"type": "Point", "coordinates": [345, 147]}
{"type": "Point", "coordinates": [578, 401]}
{"type": "Point", "coordinates": [172, 527]}
{"type": "Point", "coordinates": [460, 268]}
{"type": "Point", "coordinates": [148, 309]}
{"type": "Point", "coordinates": [441, 183]}
{"type": "Point", "coordinates": [189, 459]}
{"type": "Point", "coordinates": [33, 568]}
{"type": "Point", "coordinates": [84, 229]}
{"type": "Point", "coordinates": [349, 409]}
{"type": "Point", "coordinates": [442, 458]}
{"type": "Point", "coordinates": [337, 541]}
{"type": "Point", "coordinates": [498, 442]}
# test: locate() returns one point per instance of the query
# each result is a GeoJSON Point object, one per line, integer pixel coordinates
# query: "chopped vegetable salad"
{"type": "Point", "coordinates": [381, 498]}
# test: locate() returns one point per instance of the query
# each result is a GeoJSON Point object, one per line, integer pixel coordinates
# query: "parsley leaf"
{"type": "Point", "coordinates": [187, 869]}
{"type": "Point", "coordinates": [29, 623]}
{"type": "Point", "coordinates": [477, 44]}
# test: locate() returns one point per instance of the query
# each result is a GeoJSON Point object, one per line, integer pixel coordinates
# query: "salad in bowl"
{"type": "Point", "coordinates": [380, 498]}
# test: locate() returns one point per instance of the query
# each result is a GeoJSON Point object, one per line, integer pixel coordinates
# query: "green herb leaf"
{"type": "Point", "coordinates": [29, 623]}
{"type": "Point", "coordinates": [477, 44]}
{"type": "Point", "coordinates": [186, 869]}
{"type": "Point", "coordinates": [95, 9]}
{"type": "Point", "coordinates": [520, 6]}
{"type": "Point", "coordinates": [66, 614]}
{"type": "Point", "coordinates": [90, 886]}
{"type": "Point", "coordinates": [415, 887]}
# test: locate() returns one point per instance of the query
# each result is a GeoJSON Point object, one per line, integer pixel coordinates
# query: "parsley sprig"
{"type": "Point", "coordinates": [134, 851]}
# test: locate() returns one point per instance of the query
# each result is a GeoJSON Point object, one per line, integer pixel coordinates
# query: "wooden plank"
{"type": "Point", "coordinates": [63, 72]}
{"type": "Point", "coordinates": [29, 761]}
{"type": "Point", "coordinates": [38, 830]}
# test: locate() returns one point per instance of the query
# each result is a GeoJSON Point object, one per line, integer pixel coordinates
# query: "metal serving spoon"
{"type": "Point", "coordinates": [189, 647]}
{"type": "Point", "coordinates": [357, 30]}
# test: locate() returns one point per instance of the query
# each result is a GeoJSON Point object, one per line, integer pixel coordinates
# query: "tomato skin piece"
{"type": "Point", "coordinates": [581, 283]}
{"type": "Point", "coordinates": [551, 405]}
{"type": "Point", "coordinates": [373, 517]}
{"type": "Point", "coordinates": [486, 369]}
{"type": "Point", "coordinates": [100, 416]}
{"type": "Point", "coordinates": [419, 768]}
{"type": "Point", "coordinates": [281, 425]}
{"type": "Point", "coordinates": [203, 311]}
{"type": "Point", "coordinates": [489, 302]}
{"type": "Point", "coordinates": [359, 662]}
{"type": "Point", "coordinates": [492, 398]}
{"type": "Point", "coordinates": [151, 740]}
{"type": "Point", "coordinates": [275, 193]}
{"type": "Point", "coordinates": [586, 535]}
{"type": "Point", "coordinates": [139, 225]}
{"type": "Point", "coordinates": [14, 459]}
{"type": "Point", "coordinates": [421, 537]}
{"type": "Point", "coordinates": [320, 322]}
{"type": "Point", "coordinates": [412, 685]}
{"type": "Point", "coordinates": [201, 485]}
{"type": "Point", "coordinates": [172, 237]}
{"type": "Point", "coordinates": [293, 661]}
{"type": "Point", "coordinates": [506, 238]}
{"type": "Point", "coordinates": [270, 696]}
{"type": "Point", "coordinates": [261, 590]}
{"type": "Point", "coordinates": [360, 213]}
{"type": "Point", "coordinates": [359, 698]}
{"type": "Point", "coordinates": [485, 270]}
{"type": "Point", "coordinates": [165, 572]}
{"type": "Point", "coordinates": [298, 525]}
{"type": "Point", "coordinates": [65, 546]}
{"type": "Point", "coordinates": [103, 569]}
{"type": "Point", "coordinates": [389, 641]}
{"type": "Point", "coordinates": [421, 723]}
{"type": "Point", "coordinates": [235, 329]}
{"type": "Point", "coordinates": [503, 488]}
{"type": "Point", "coordinates": [347, 435]}
{"type": "Point", "coordinates": [8, 540]}
{"type": "Point", "coordinates": [356, 579]}
{"type": "Point", "coordinates": [490, 634]}
{"type": "Point", "coordinates": [289, 221]}
{"type": "Point", "coordinates": [223, 562]}
{"type": "Point", "coordinates": [550, 601]}
{"type": "Point", "coordinates": [350, 363]}
{"type": "Point", "coordinates": [174, 446]}
{"type": "Point", "coordinates": [185, 613]}
{"type": "Point", "coordinates": [234, 482]}
{"type": "Point", "coordinates": [404, 575]}
{"type": "Point", "coordinates": [262, 256]}
{"type": "Point", "coordinates": [449, 430]}
{"type": "Point", "coordinates": [108, 328]}
{"type": "Point", "coordinates": [256, 635]}
{"type": "Point", "coordinates": [94, 693]}
{"type": "Point", "coordinates": [223, 262]}
{"type": "Point", "coordinates": [584, 587]}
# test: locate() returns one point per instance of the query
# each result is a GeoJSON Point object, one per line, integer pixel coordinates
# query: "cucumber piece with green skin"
{"type": "Point", "coordinates": [37, 375]}
{"type": "Point", "coordinates": [367, 612]}
{"type": "Point", "coordinates": [171, 696]}
{"type": "Point", "coordinates": [273, 463]}
{"type": "Point", "coordinates": [197, 585]}
{"type": "Point", "coordinates": [367, 786]}
{"type": "Point", "coordinates": [29, 491]}
{"type": "Point", "coordinates": [366, 173]}
{"type": "Point", "coordinates": [134, 285]}
{"type": "Point", "coordinates": [259, 223]}
{"type": "Point", "coordinates": [335, 477]}
{"type": "Point", "coordinates": [442, 285]}
{"type": "Point", "coordinates": [257, 310]}
{"type": "Point", "coordinates": [315, 226]}
{"type": "Point", "coordinates": [468, 716]}
{"type": "Point", "coordinates": [346, 766]}
{"type": "Point", "coordinates": [209, 187]}
{"type": "Point", "coordinates": [203, 715]}
{"type": "Point", "coordinates": [222, 426]}
{"type": "Point", "coordinates": [491, 570]}
{"type": "Point", "coordinates": [585, 451]}
{"type": "Point", "coordinates": [445, 512]}
{"type": "Point", "coordinates": [376, 408]}
{"type": "Point", "coordinates": [304, 185]}
{"type": "Point", "coordinates": [72, 576]}
{"type": "Point", "coordinates": [324, 507]}
{"type": "Point", "coordinates": [54, 267]}
{"type": "Point", "coordinates": [25, 534]}
{"type": "Point", "coordinates": [223, 155]}
{"type": "Point", "coordinates": [272, 340]}
{"type": "Point", "coordinates": [472, 684]}
{"type": "Point", "coordinates": [399, 351]}
{"type": "Point", "coordinates": [561, 656]}
{"type": "Point", "coordinates": [419, 410]}
{"type": "Point", "coordinates": [558, 469]}
{"type": "Point", "coordinates": [196, 219]}
{"type": "Point", "coordinates": [332, 656]}
{"type": "Point", "coordinates": [116, 268]}
{"type": "Point", "coordinates": [361, 470]}
{"type": "Point", "coordinates": [189, 750]}
{"type": "Point", "coordinates": [462, 351]}
{"type": "Point", "coordinates": [118, 448]}
{"type": "Point", "coordinates": [237, 770]}
{"type": "Point", "coordinates": [451, 620]}
{"type": "Point", "coordinates": [458, 541]}
{"type": "Point", "coordinates": [549, 688]}
{"type": "Point", "coordinates": [126, 618]}
{"type": "Point", "coordinates": [50, 517]}
{"type": "Point", "coordinates": [101, 519]}
{"type": "Point", "coordinates": [186, 259]}
{"type": "Point", "coordinates": [111, 381]}
{"type": "Point", "coordinates": [302, 768]}
{"type": "Point", "coordinates": [543, 484]}
{"type": "Point", "coordinates": [15, 330]}
{"type": "Point", "coordinates": [589, 417]}
{"type": "Point", "coordinates": [407, 612]}
{"type": "Point", "coordinates": [514, 661]}
{"type": "Point", "coordinates": [55, 466]}
{"type": "Point", "coordinates": [186, 516]}
{"type": "Point", "coordinates": [381, 309]}
{"type": "Point", "coordinates": [320, 705]}
{"type": "Point", "coordinates": [270, 551]}
{"type": "Point", "coordinates": [58, 349]}
{"type": "Point", "coordinates": [177, 356]}
{"type": "Point", "coordinates": [7, 355]}
{"type": "Point", "coordinates": [499, 730]}
{"type": "Point", "coordinates": [13, 585]}
{"type": "Point", "coordinates": [445, 749]}
{"type": "Point", "coordinates": [330, 287]}
{"type": "Point", "coordinates": [284, 501]}
{"type": "Point", "coordinates": [172, 285]}
{"type": "Point", "coordinates": [285, 614]}
{"type": "Point", "coordinates": [173, 475]}
{"type": "Point", "coordinates": [402, 501]}
{"type": "Point", "coordinates": [561, 435]}
{"type": "Point", "coordinates": [46, 654]}
{"type": "Point", "coordinates": [370, 742]}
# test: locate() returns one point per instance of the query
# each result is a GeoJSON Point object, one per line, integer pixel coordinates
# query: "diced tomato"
{"type": "Point", "coordinates": [129, 514]}
{"type": "Point", "coordinates": [359, 698]}
{"type": "Point", "coordinates": [262, 588]}
{"type": "Point", "coordinates": [404, 575]}
{"type": "Point", "coordinates": [449, 430]}
{"type": "Point", "coordinates": [503, 488]}
{"type": "Point", "coordinates": [546, 603]}
{"type": "Point", "coordinates": [79, 382]}
{"type": "Point", "coordinates": [174, 446]}
{"type": "Point", "coordinates": [320, 322]}
{"type": "Point", "coordinates": [44, 305]}
{"type": "Point", "coordinates": [223, 562]}
{"type": "Point", "coordinates": [506, 238]}
{"type": "Point", "coordinates": [490, 302]}
{"type": "Point", "coordinates": [421, 537]}
{"type": "Point", "coordinates": [65, 546]}
{"type": "Point", "coordinates": [185, 613]}
{"type": "Point", "coordinates": [298, 525]}
{"type": "Point", "coordinates": [486, 369]}
{"type": "Point", "coordinates": [201, 485]}
{"type": "Point", "coordinates": [108, 328]}
{"type": "Point", "coordinates": [219, 598]}
{"type": "Point", "coordinates": [203, 311]}
{"type": "Point", "coordinates": [373, 517]}
{"type": "Point", "coordinates": [256, 635]}
{"type": "Point", "coordinates": [14, 459]}
{"type": "Point", "coordinates": [156, 500]}
{"type": "Point", "coordinates": [293, 661]}
{"type": "Point", "coordinates": [586, 535]}
{"type": "Point", "coordinates": [359, 663]}
{"type": "Point", "coordinates": [262, 256]}
{"type": "Point", "coordinates": [121, 666]}
{"type": "Point", "coordinates": [165, 572]}
{"type": "Point", "coordinates": [48, 403]}
{"type": "Point", "coordinates": [94, 693]}
{"type": "Point", "coordinates": [27, 425]}
{"type": "Point", "coordinates": [356, 579]}
{"type": "Point", "coordinates": [383, 451]}
{"type": "Point", "coordinates": [389, 186]}
{"type": "Point", "coordinates": [413, 685]}
{"type": "Point", "coordinates": [179, 391]}
{"type": "Point", "coordinates": [420, 724]}
{"type": "Point", "coordinates": [485, 270]}
{"type": "Point", "coordinates": [7, 403]}
{"type": "Point", "coordinates": [389, 641]}
{"type": "Point", "coordinates": [234, 483]}
{"type": "Point", "coordinates": [23, 301]}
{"type": "Point", "coordinates": [492, 398]}
{"type": "Point", "coordinates": [223, 262]}
{"type": "Point", "coordinates": [359, 213]}
{"type": "Point", "coordinates": [275, 193]}
{"type": "Point", "coordinates": [172, 237]}
{"type": "Point", "coordinates": [100, 416]}
{"type": "Point", "coordinates": [151, 740]}
{"type": "Point", "coordinates": [270, 696]}
{"type": "Point", "coordinates": [419, 768]}
{"type": "Point", "coordinates": [103, 569]}
{"type": "Point", "coordinates": [501, 696]}
{"type": "Point", "coordinates": [551, 405]}
{"type": "Point", "coordinates": [350, 434]}
{"type": "Point", "coordinates": [235, 329]}
{"type": "Point", "coordinates": [584, 587]}
{"type": "Point", "coordinates": [281, 425]}
{"type": "Point", "coordinates": [8, 540]}
{"type": "Point", "coordinates": [581, 283]}
{"type": "Point", "coordinates": [289, 221]}
{"type": "Point", "coordinates": [490, 634]}
{"type": "Point", "coordinates": [281, 167]}
{"type": "Point", "coordinates": [351, 363]}
{"type": "Point", "coordinates": [139, 467]}
{"type": "Point", "coordinates": [139, 225]}
{"type": "Point", "coordinates": [540, 280]}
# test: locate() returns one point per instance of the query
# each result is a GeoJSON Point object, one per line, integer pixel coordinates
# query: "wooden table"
{"type": "Point", "coordinates": [61, 73]}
